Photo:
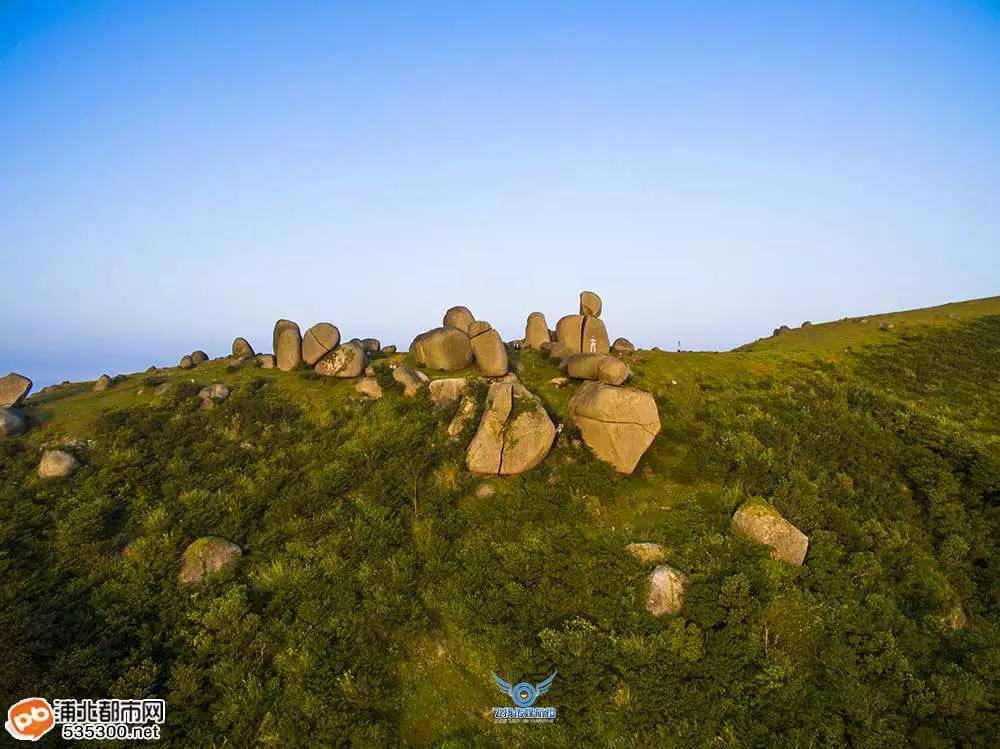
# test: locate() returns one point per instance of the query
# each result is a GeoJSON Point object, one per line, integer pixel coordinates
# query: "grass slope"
{"type": "Point", "coordinates": [377, 590]}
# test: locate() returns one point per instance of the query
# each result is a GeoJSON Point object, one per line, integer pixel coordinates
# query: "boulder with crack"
{"type": "Point", "coordinates": [618, 423]}
{"type": "Point", "coordinates": [515, 433]}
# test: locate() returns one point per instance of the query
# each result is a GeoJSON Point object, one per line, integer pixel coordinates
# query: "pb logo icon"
{"type": "Point", "coordinates": [30, 719]}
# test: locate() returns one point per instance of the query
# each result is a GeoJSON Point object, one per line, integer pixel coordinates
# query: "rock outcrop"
{"type": "Point", "coordinates": [287, 345]}
{"type": "Point", "coordinates": [57, 464]}
{"type": "Point", "coordinates": [446, 390]}
{"type": "Point", "coordinates": [765, 525]}
{"type": "Point", "coordinates": [666, 591]}
{"type": "Point", "coordinates": [446, 349]}
{"type": "Point", "coordinates": [536, 331]}
{"type": "Point", "coordinates": [12, 423]}
{"type": "Point", "coordinates": [14, 388]}
{"type": "Point", "coordinates": [319, 340]}
{"type": "Point", "coordinates": [348, 360]}
{"type": "Point", "coordinates": [459, 318]}
{"type": "Point", "coordinates": [488, 349]}
{"type": "Point", "coordinates": [205, 557]}
{"type": "Point", "coordinates": [603, 367]}
{"type": "Point", "coordinates": [617, 423]}
{"type": "Point", "coordinates": [515, 433]}
{"type": "Point", "coordinates": [242, 349]}
{"type": "Point", "coordinates": [102, 383]}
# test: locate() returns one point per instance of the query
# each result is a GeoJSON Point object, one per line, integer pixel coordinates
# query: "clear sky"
{"type": "Point", "coordinates": [174, 174]}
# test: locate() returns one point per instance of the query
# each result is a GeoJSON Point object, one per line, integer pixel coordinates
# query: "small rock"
{"type": "Point", "coordinates": [12, 423]}
{"type": "Point", "coordinates": [388, 350]}
{"type": "Point", "coordinates": [266, 361]}
{"type": "Point", "coordinates": [411, 380]}
{"type": "Point", "coordinates": [57, 464]}
{"type": "Point", "coordinates": [666, 591]}
{"type": "Point", "coordinates": [205, 557]}
{"type": "Point", "coordinates": [559, 382]}
{"type": "Point", "coordinates": [242, 349]}
{"type": "Point", "coordinates": [807, 324]}
{"type": "Point", "coordinates": [764, 524]}
{"type": "Point", "coordinates": [484, 491]}
{"type": "Point", "coordinates": [370, 371]}
{"type": "Point", "coordinates": [647, 551]}
{"type": "Point", "coordinates": [446, 390]}
{"type": "Point", "coordinates": [162, 389]}
{"type": "Point", "coordinates": [215, 393]}
{"type": "Point", "coordinates": [102, 383]}
{"type": "Point", "coordinates": [369, 387]}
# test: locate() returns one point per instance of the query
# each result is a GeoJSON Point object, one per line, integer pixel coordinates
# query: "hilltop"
{"type": "Point", "coordinates": [379, 581]}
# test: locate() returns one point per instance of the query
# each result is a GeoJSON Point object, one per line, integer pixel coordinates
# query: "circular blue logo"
{"type": "Point", "coordinates": [524, 694]}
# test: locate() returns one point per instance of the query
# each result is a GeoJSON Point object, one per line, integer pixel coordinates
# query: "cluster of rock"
{"type": "Point", "coordinates": [320, 348]}
{"type": "Point", "coordinates": [754, 521]}
{"type": "Point", "coordinates": [193, 359]}
{"type": "Point", "coordinates": [460, 341]}
{"type": "Point", "coordinates": [14, 388]}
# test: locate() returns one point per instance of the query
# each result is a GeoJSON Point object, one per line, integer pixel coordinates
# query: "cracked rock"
{"type": "Point", "coordinates": [515, 433]}
{"type": "Point", "coordinates": [617, 423]}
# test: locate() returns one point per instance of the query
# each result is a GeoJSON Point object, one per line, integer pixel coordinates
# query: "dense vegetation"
{"type": "Point", "coordinates": [377, 591]}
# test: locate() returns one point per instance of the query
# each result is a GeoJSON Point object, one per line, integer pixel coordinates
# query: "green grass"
{"type": "Point", "coordinates": [377, 590]}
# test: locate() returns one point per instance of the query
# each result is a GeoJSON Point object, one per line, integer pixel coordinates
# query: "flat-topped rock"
{"type": "Point", "coordinates": [14, 388]}
{"type": "Point", "coordinates": [765, 525]}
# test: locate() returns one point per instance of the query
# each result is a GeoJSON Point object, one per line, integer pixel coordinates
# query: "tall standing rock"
{"type": "Point", "coordinates": [242, 349]}
{"type": "Point", "coordinates": [618, 423]}
{"type": "Point", "coordinates": [320, 339]}
{"type": "Point", "coordinates": [590, 304]}
{"type": "Point", "coordinates": [459, 318]}
{"type": "Point", "coordinates": [595, 337]}
{"type": "Point", "coordinates": [488, 349]}
{"type": "Point", "coordinates": [14, 388]}
{"type": "Point", "coordinates": [569, 332]}
{"type": "Point", "coordinates": [536, 331]}
{"type": "Point", "coordinates": [505, 445]}
{"type": "Point", "coordinates": [287, 345]}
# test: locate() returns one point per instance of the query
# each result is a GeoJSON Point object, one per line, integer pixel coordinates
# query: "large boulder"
{"type": "Point", "coordinates": [590, 304]}
{"type": "Point", "coordinates": [444, 349]}
{"type": "Point", "coordinates": [215, 393]}
{"type": "Point", "coordinates": [266, 361]}
{"type": "Point", "coordinates": [666, 591]}
{"type": "Point", "coordinates": [411, 379]}
{"type": "Point", "coordinates": [622, 346]}
{"type": "Point", "coordinates": [287, 345]}
{"type": "Point", "coordinates": [388, 350]}
{"type": "Point", "coordinates": [536, 331]}
{"type": "Point", "coordinates": [348, 360]}
{"type": "Point", "coordinates": [603, 367]}
{"type": "Point", "coordinates": [102, 383]}
{"type": "Point", "coordinates": [515, 433]}
{"type": "Point", "coordinates": [459, 318]}
{"type": "Point", "coordinates": [186, 362]}
{"type": "Point", "coordinates": [12, 423]}
{"type": "Point", "coordinates": [595, 337]}
{"type": "Point", "coordinates": [205, 557]}
{"type": "Point", "coordinates": [765, 525]}
{"type": "Point", "coordinates": [320, 339]}
{"type": "Point", "coordinates": [371, 345]}
{"type": "Point", "coordinates": [446, 390]}
{"type": "Point", "coordinates": [242, 349]}
{"type": "Point", "coordinates": [569, 332]}
{"type": "Point", "coordinates": [14, 388]}
{"type": "Point", "coordinates": [199, 357]}
{"type": "Point", "coordinates": [488, 349]}
{"type": "Point", "coordinates": [617, 423]}
{"type": "Point", "coordinates": [57, 464]}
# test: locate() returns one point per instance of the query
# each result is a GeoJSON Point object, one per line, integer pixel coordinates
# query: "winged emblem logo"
{"type": "Point", "coordinates": [524, 694]}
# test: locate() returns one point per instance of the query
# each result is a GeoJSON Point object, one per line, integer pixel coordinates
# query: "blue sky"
{"type": "Point", "coordinates": [174, 175]}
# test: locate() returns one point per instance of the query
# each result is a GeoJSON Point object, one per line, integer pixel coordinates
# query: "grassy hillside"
{"type": "Point", "coordinates": [378, 590]}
